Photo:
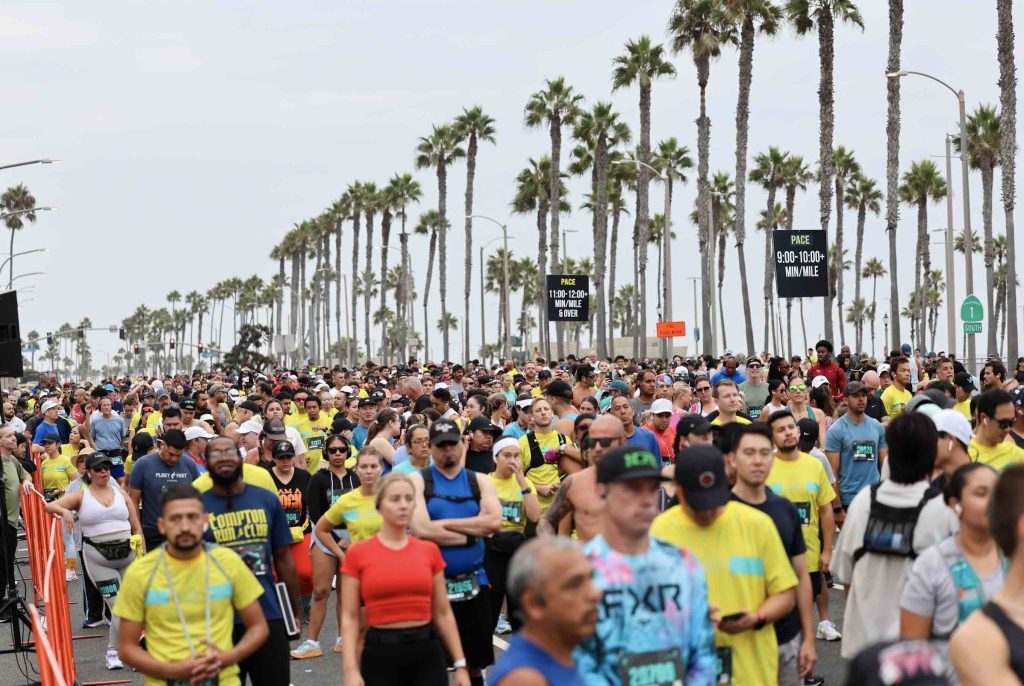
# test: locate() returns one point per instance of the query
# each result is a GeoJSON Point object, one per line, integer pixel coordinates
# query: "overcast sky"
{"type": "Point", "coordinates": [193, 135]}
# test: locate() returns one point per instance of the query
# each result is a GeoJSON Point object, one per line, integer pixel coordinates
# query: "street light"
{"type": "Point", "coordinates": [21, 276]}
{"type": "Point", "coordinates": [951, 319]}
{"type": "Point", "coordinates": [483, 320]}
{"type": "Point", "coordinates": [504, 279]}
{"type": "Point", "coordinates": [25, 164]}
{"type": "Point", "coordinates": [19, 254]}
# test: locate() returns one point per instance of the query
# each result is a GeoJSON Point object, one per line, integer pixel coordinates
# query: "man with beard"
{"type": "Point", "coordinates": [189, 634]}
{"type": "Point", "coordinates": [252, 522]}
{"type": "Point", "coordinates": [154, 473]}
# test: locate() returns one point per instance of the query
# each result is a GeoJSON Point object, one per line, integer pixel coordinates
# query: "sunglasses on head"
{"type": "Point", "coordinates": [798, 388]}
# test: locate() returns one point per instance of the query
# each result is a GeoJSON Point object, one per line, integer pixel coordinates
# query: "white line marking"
{"type": "Point", "coordinates": [500, 643]}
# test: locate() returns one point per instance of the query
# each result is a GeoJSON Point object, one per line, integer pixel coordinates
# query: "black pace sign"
{"type": "Point", "coordinates": [568, 297]}
{"type": "Point", "coordinates": [801, 264]}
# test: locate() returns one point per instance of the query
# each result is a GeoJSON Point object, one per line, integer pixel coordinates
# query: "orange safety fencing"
{"type": "Point", "coordinates": [49, 669]}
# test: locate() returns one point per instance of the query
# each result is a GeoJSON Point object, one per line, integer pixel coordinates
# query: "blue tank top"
{"type": "Point", "coordinates": [523, 652]}
{"type": "Point", "coordinates": [459, 559]}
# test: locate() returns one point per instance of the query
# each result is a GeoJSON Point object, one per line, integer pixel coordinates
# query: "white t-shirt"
{"type": "Point", "coordinates": [16, 424]}
{"type": "Point", "coordinates": [876, 582]}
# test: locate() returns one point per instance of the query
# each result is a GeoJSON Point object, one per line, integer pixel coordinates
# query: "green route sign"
{"type": "Point", "coordinates": [972, 327]}
{"type": "Point", "coordinates": [971, 310]}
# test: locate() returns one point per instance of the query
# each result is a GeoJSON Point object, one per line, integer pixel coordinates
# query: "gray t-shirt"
{"type": "Point", "coordinates": [756, 397]}
{"type": "Point", "coordinates": [639, 407]}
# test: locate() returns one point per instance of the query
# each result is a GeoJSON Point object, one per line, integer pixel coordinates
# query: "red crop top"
{"type": "Point", "coordinates": [395, 585]}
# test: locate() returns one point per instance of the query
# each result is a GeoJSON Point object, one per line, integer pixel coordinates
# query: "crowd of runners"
{"type": "Point", "coordinates": [637, 523]}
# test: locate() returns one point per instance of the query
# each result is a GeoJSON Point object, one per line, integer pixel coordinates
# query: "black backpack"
{"type": "Point", "coordinates": [890, 530]}
{"type": "Point", "coordinates": [428, 487]}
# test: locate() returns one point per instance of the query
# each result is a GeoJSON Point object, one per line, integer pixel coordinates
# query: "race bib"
{"type": "Point", "coordinates": [724, 656]}
{"type": "Point", "coordinates": [863, 451]}
{"type": "Point", "coordinates": [512, 511]}
{"type": "Point", "coordinates": [116, 460]}
{"type": "Point", "coordinates": [108, 589]}
{"type": "Point", "coordinates": [293, 517]}
{"type": "Point", "coordinates": [804, 510]}
{"type": "Point", "coordinates": [654, 668]}
{"type": "Point", "coordinates": [315, 442]}
{"type": "Point", "coordinates": [755, 413]}
{"type": "Point", "coordinates": [185, 682]}
{"type": "Point", "coordinates": [463, 587]}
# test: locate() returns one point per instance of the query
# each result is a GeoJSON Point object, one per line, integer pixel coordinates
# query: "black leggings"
{"type": "Point", "coordinates": [270, 665]}
{"type": "Point", "coordinates": [496, 565]}
{"type": "Point", "coordinates": [403, 657]}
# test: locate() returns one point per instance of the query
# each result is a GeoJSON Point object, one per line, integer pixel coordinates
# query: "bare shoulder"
{"type": "Point", "coordinates": [979, 652]}
{"type": "Point", "coordinates": [524, 676]}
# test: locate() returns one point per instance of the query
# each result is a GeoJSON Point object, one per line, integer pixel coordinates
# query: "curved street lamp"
{"type": "Point", "coordinates": [504, 278]}
{"type": "Point", "coordinates": [18, 254]}
{"type": "Point", "coordinates": [25, 164]}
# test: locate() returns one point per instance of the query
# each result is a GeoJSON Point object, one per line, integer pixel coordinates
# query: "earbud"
{"type": "Point", "coordinates": [959, 510]}
{"type": "Point", "coordinates": [950, 447]}
{"type": "Point", "coordinates": [206, 527]}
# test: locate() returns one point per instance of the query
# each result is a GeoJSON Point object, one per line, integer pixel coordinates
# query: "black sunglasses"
{"type": "Point", "coordinates": [336, 450]}
{"type": "Point", "coordinates": [590, 442]}
{"type": "Point", "coordinates": [1004, 423]}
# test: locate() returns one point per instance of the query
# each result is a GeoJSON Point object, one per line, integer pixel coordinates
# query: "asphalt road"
{"type": "Point", "coordinates": [323, 671]}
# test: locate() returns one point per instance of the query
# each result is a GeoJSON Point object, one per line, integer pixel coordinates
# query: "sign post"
{"type": "Point", "coordinates": [801, 264]}
{"type": "Point", "coordinates": [568, 297]}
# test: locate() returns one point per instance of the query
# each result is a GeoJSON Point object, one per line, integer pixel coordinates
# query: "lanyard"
{"type": "Point", "coordinates": [177, 604]}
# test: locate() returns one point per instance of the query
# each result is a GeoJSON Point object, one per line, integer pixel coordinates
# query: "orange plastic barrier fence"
{"type": "Point", "coordinates": [46, 561]}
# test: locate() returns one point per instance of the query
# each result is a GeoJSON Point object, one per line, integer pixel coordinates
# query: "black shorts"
{"type": "Point", "coordinates": [270, 664]}
{"type": "Point", "coordinates": [473, 618]}
{"type": "Point", "coordinates": [815, 584]}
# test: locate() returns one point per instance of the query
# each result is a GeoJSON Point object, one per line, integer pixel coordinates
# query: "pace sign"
{"type": "Point", "coordinates": [568, 297]}
{"type": "Point", "coordinates": [801, 264]}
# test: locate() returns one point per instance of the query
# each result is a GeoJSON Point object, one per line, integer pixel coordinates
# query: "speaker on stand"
{"type": "Point", "coordinates": [10, 336]}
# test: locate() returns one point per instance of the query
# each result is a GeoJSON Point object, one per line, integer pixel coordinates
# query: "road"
{"type": "Point", "coordinates": [323, 671]}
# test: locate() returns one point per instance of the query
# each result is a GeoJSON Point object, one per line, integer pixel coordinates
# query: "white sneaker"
{"type": "Point", "coordinates": [70, 575]}
{"type": "Point", "coordinates": [307, 649]}
{"type": "Point", "coordinates": [827, 632]}
{"type": "Point", "coordinates": [113, 661]}
{"type": "Point", "coordinates": [503, 626]}
{"type": "Point", "coordinates": [337, 645]}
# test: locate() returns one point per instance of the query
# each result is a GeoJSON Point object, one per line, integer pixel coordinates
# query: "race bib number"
{"type": "Point", "coordinates": [315, 442]}
{"type": "Point", "coordinates": [755, 413]}
{"type": "Point", "coordinates": [293, 517]}
{"type": "Point", "coordinates": [108, 589]}
{"type": "Point", "coordinates": [724, 656]}
{"type": "Point", "coordinates": [654, 668]}
{"type": "Point", "coordinates": [116, 460]}
{"type": "Point", "coordinates": [863, 451]}
{"type": "Point", "coordinates": [804, 510]}
{"type": "Point", "coordinates": [253, 556]}
{"type": "Point", "coordinates": [512, 511]}
{"type": "Point", "coordinates": [462, 588]}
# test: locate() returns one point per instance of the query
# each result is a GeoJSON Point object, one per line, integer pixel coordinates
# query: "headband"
{"type": "Point", "coordinates": [504, 443]}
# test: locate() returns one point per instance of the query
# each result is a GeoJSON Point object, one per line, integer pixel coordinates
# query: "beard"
{"type": "Point", "coordinates": [193, 542]}
{"type": "Point", "coordinates": [225, 480]}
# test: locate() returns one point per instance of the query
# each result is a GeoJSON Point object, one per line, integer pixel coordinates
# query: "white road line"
{"type": "Point", "coordinates": [500, 643]}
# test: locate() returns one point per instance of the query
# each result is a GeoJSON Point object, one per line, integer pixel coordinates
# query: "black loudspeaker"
{"type": "Point", "coordinates": [10, 336]}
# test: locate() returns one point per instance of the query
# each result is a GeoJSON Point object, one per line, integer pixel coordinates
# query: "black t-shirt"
{"type": "Point", "coordinates": [875, 408]}
{"type": "Point", "coordinates": [324, 489]}
{"type": "Point", "coordinates": [292, 497]}
{"type": "Point", "coordinates": [481, 461]}
{"type": "Point", "coordinates": [422, 403]}
{"type": "Point", "coordinates": [787, 522]}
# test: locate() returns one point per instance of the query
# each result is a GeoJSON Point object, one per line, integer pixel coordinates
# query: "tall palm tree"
{"type": "Point", "coordinates": [672, 160]}
{"type": "Point", "coordinates": [798, 175]}
{"type": "Point", "coordinates": [17, 199]}
{"type": "Point", "coordinates": [874, 270]}
{"type": "Point", "coordinates": [371, 203]}
{"type": "Point", "coordinates": [821, 16]}
{"type": "Point", "coordinates": [355, 192]}
{"type": "Point", "coordinates": [770, 173]}
{"type": "Point", "coordinates": [770, 220]}
{"type": "Point", "coordinates": [999, 248]}
{"type": "Point", "coordinates": [984, 147]}
{"type": "Point", "coordinates": [474, 127]}
{"type": "Point", "coordinates": [723, 221]}
{"type": "Point", "coordinates": [620, 175]}
{"type": "Point", "coordinates": [406, 190]}
{"type": "Point", "coordinates": [429, 225]}
{"type": "Point", "coordinates": [1008, 148]}
{"type": "Point", "coordinates": [863, 196]}
{"type": "Point", "coordinates": [494, 270]}
{"type": "Point", "coordinates": [703, 27]}
{"type": "Point", "coordinates": [600, 129]}
{"type": "Point", "coordinates": [921, 183]}
{"type": "Point", "coordinates": [892, 167]}
{"type": "Point", "coordinates": [341, 210]}
{"type": "Point", "coordinates": [387, 208]}
{"type": "Point", "coordinates": [753, 17]}
{"type": "Point", "coordinates": [845, 167]}
{"type": "Point", "coordinates": [438, 151]}
{"type": "Point", "coordinates": [641, 64]}
{"type": "Point", "coordinates": [557, 105]}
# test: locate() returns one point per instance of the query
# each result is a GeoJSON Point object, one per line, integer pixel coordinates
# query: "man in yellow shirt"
{"type": "Point", "coordinates": [727, 395]}
{"type": "Point", "coordinates": [185, 597]}
{"type": "Point", "coordinates": [992, 444]}
{"type": "Point", "coordinates": [963, 384]}
{"type": "Point", "coordinates": [314, 426]}
{"type": "Point", "coordinates": [896, 396]}
{"type": "Point", "coordinates": [750, 579]}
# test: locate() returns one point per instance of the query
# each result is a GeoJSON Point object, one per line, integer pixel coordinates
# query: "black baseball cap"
{"type": "Point", "coordinates": [367, 402]}
{"type": "Point", "coordinates": [544, 373]}
{"type": "Point", "coordinates": [482, 423]}
{"type": "Point", "coordinates": [627, 462]}
{"type": "Point", "coordinates": [96, 459]}
{"type": "Point", "coordinates": [444, 431]}
{"type": "Point", "coordinates": [187, 404]}
{"type": "Point", "coordinates": [693, 424]}
{"type": "Point", "coordinates": [559, 389]}
{"type": "Point", "coordinates": [142, 443]}
{"type": "Point", "coordinates": [809, 433]}
{"type": "Point", "coordinates": [855, 387]}
{"type": "Point", "coordinates": [700, 472]}
{"type": "Point", "coordinates": [282, 449]}
{"type": "Point", "coordinates": [964, 381]}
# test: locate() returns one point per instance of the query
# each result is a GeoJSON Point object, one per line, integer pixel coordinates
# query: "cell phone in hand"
{"type": "Point", "coordinates": [734, 617]}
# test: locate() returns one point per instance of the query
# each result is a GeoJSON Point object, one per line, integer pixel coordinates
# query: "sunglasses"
{"type": "Point", "coordinates": [800, 388]}
{"type": "Point", "coordinates": [101, 468]}
{"type": "Point", "coordinates": [590, 442]}
{"type": "Point", "coordinates": [704, 389]}
{"type": "Point", "coordinates": [753, 366]}
{"type": "Point", "coordinates": [337, 450]}
{"type": "Point", "coordinates": [217, 454]}
{"type": "Point", "coordinates": [1004, 423]}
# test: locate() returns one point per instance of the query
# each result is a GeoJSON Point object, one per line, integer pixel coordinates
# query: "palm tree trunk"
{"type": "Point", "coordinates": [354, 353]}
{"type": "Point", "coordinates": [643, 186]}
{"type": "Point", "coordinates": [555, 196]}
{"type": "Point", "coordinates": [789, 328]}
{"type": "Point", "coordinates": [703, 65]}
{"type": "Point", "coordinates": [892, 162]}
{"type": "Point", "coordinates": [1008, 150]}
{"type": "Point", "coordinates": [613, 250]}
{"type": "Point", "coordinates": [922, 238]}
{"type": "Point", "coordinates": [769, 262]}
{"type": "Point", "coordinates": [368, 283]}
{"type": "Point", "coordinates": [337, 290]}
{"type": "Point", "coordinates": [542, 264]}
{"type": "Point", "coordinates": [385, 240]}
{"type": "Point", "coordinates": [467, 285]}
{"type": "Point", "coordinates": [601, 242]}
{"type": "Point", "coordinates": [988, 251]}
{"type": "Point", "coordinates": [841, 276]}
{"type": "Point", "coordinates": [406, 295]}
{"type": "Point", "coordinates": [426, 291]}
{"type": "Point", "coordinates": [858, 256]}
{"type": "Point", "coordinates": [325, 287]}
{"type": "Point", "coordinates": [442, 260]}
{"type": "Point", "coordinates": [826, 123]}
{"type": "Point", "coordinates": [715, 214]}
{"type": "Point", "coordinates": [746, 68]}
{"type": "Point", "coordinates": [803, 324]}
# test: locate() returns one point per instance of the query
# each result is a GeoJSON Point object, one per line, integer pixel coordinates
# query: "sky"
{"type": "Point", "coordinates": [193, 135]}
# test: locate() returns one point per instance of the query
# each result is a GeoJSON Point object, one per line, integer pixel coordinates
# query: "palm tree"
{"type": "Point", "coordinates": [17, 199]}
{"type": "Point", "coordinates": [769, 221]}
{"type": "Point", "coordinates": [619, 176]}
{"type": "Point", "coordinates": [405, 191]}
{"type": "Point", "coordinates": [523, 276]}
{"type": "Point", "coordinates": [641, 64]}
{"type": "Point", "coordinates": [874, 270]}
{"type": "Point", "coordinates": [753, 17]}
{"type": "Point", "coordinates": [355, 193]}
{"type": "Point", "coordinates": [475, 127]}
{"type": "Point", "coordinates": [723, 220]}
{"type": "Point", "coordinates": [428, 225]}
{"type": "Point", "coordinates": [341, 210]}
{"type": "Point", "coordinates": [858, 311]}
{"type": "Point", "coordinates": [371, 201]}
{"type": "Point", "coordinates": [494, 270]}
{"type": "Point", "coordinates": [863, 197]}
{"type": "Point", "coordinates": [892, 166]}
{"type": "Point", "coordinates": [921, 183]}
{"type": "Point", "coordinates": [556, 106]}
{"type": "Point", "coordinates": [703, 27]}
{"type": "Point", "coordinates": [845, 168]}
{"type": "Point", "coordinates": [798, 175]}
{"type": "Point", "coordinates": [1007, 153]}
{"type": "Point", "coordinates": [672, 160]}
{"type": "Point", "coordinates": [439, 150]}
{"type": "Point", "coordinates": [600, 129]}
{"type": "Point", "coordinates": [447, 322]}
{"type": "Point", "coordinates": [770, 172]}
{"type": "Point", "coordinates": [984, 147]}
{"type": "Point", "coordinates": [999, 249]}
{"type": "Point", "coordinates": [387, 208]}
{"type": "Point", "coordinates": [821, 15]}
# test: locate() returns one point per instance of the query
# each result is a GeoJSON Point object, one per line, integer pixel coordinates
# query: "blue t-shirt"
{"type": "Point", "coordinates": [153, 476]}
{"type": "Point", "coordinates": [652, 602]}
{"type": "Point", "coordinates": [107, 433]}
{"type": "Point", "coordinates": [359, 436]}
{"type": "Point", "coordinates": [858, 446]}
{"type": "Point", "coordinates": [523, 652]}
{"type": "Point", "coordinates": [515, 431]}
{"type": "Point", "coordinates": [62, 429]}
{"type": "Point", "coordinates": [644, 438]}
{"type": "Point", "coordinates": [401, 455]}
{"type": "Point", "coordinates": [737, 376]}
{"type": "Point", "coordinates": [254, 526]}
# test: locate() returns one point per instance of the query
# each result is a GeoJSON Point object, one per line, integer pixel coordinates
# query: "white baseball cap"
{"type": "Point", "coordinates": [818, 381]}
{"type": "Point", "coordinates": [347, 389]}
{"type": "Point", "coordinates": [950, 421]}
{"type": "Point", "coordinates": [661, 405]}
{"type": "Point", "coordinates": [194, 432]}
{"type": "Point", "coordinates": [250, 426]}
{"type": "Point", "coordinates": [50, 404]}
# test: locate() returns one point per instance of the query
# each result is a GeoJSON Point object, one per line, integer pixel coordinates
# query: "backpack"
{"type": "Point", "coordinates": [428, 487]}
{"type": "Point", "coordinates": [890, 530]}
{"type": "Point", "coordinates": [536, 455]}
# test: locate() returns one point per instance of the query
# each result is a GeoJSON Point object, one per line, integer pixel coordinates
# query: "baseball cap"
{"type": "Point", "coordinates": [627, 462]}
{"type": "Point", "coordinates": [444, 431]}
{"type": "Point", "coordinates": [249, 405]}
{"type": "Point", "coordinates": [965, 381]}
{"type": "Point", "coordinates": [249, 426]}
{"type": "Point", "coordinates": [194, 432]}
{"type": "Point", "coordinates": [341, 424]}
{"type": "Point", "coordinates": [951, 422]}
{"type": "Point", "coordinates": [96, 459]}
{"type": "Point", "coordinates": [1017, 395]}
{"type": "Point", "coordinates": [898, 663]}
{"type": "Point", "coordinates": [217, 388]}
{"type": "Point", "coordinates": [49, 438]}
{"type": "Point", "coordinates": [50, 404]}
{"type": "Point", "coordinates": [275, 430]}
{"type": "Point", "coordinates": [700, 472]}
{"type": "Point", "coordinates": [347, 389]}
{"type": "Point", "coordinates": [661, 406]}
{"type": "Point", "coordinates": [884, 369]}
{"type": "Point", "coordinates": [524, 400]}
{"type": "Point", "coordinates": [187, 404]}
{"type": "Point", "coordinates": [367, 402]}
{"type": "Point", "coordinates": [818, 381]}
{"type": "Point", "coordinates": [109, 387]}
{"type": "Point", "coordinates": [544, 374]}
{"type": "Point", "coordinates": [808, 433]}
{"type": "Point", "coordinates": [282, 449]}
{"type": "Point", "coordinates": [559, 389]}
{"type": "Point", "coordinates": [855, 387]}
{"type": "Point", "coordinates": [482, 423]}
{"type": "Point", "coordinates": [619, 386]}
{"type": "Point", "coordinates": [906, 349]}
{"type": "Point", "coordinates": [693, 424]}
{"type": "Point", "coordinates": [141, 444]}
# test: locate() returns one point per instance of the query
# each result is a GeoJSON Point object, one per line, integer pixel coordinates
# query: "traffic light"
{"type": "Point", "coordinates": [120, 334]}
{"type": "Point", "coordinates": [49, 338]}
{"type": "Point", "coordinates": [135, 348]}
{"type": "Point", "coordinates": [173, 343]}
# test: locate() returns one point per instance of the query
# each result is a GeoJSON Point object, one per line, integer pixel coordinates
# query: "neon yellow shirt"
{"type": "Point", "coordinates": [804, 483]}
{"type": "Point", "coordinates": [358, 513]}
{"type": "Point", "coordinates": [744, 562]}
{"type": "Point", "coordinates": [254, 475]}
{"type": "Point", "coordinates": [738, 420]}
{"type": "Point", "coordinates": [230, 589]}
{"type": "Point", "coordinates": [513, 511]}
{"type": "Point", "coordinates": [964, 408]}
{"type": "Point", "coordinates": [545, 474]}
{"type": "Point", "coordinates": [314, 435]}
{"type": "Point", "coordinates": [998, 457]}
{"type": "Point", "coordinates": [56, 473]}
{"type": "Point", "coordinates": [895, 400]}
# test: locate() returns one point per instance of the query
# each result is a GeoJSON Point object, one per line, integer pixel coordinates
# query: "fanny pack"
{"type": "Point", "coordinates": [111, 550]}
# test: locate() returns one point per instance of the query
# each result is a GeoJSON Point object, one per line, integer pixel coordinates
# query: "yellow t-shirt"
{"type": "Point", "coordinates": [739, 420]}
{"type": "Point", "coordinates": [964, 408]}
{"type": "Point", "coordinates": [358, 513]}
{"type": "Point", "coordinates": [895, 400]}
{"type": "Point", "coordinates": [998, 457]}
{"type": "Point", "coordinates": [152, 423]}
{"type": "Point", "coordinates": [56, 473]}
{"type": "Point", "coordinates": [513, 512]}
{"type": "Point", "coordinates": [252, 474]}
{"type": "Point", "coordinates": [804, 483]}
{"type": "Point", "coordinates": [744, 562]}
{"type": "Point", "coordinates": [314, 435]}
{"type": "Point", "coordinates": [545, 474]}
{"type": "Point", "coordinates": [231, 587]}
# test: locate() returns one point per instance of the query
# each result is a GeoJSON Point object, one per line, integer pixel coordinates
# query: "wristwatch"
{"type": "Point", "coordinates": [761, 621]}
{"type": "Point", "coordinates": [527, 491]}
{"type": "Point", "coordinates": [459, 664]}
